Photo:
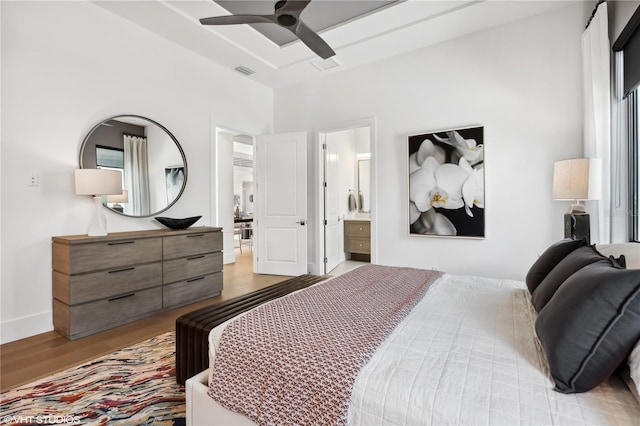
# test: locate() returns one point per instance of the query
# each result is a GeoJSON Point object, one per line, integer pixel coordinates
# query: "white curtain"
{"type": "Point", "coordinates": [596, 66]}
{"type": "Point", "coordinates": [136, 175]}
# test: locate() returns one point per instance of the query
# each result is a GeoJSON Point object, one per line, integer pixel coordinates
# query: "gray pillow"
{"type": "Point", "coordinates": [549, 259]}
{"type": "Point", "coordinates": [573, 262]}
{"type": "Point", "coordinates": [590, 325]}
{"type": "Point", "coordinates": [622, 261]}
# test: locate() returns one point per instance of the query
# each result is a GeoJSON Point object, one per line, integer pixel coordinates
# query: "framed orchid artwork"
{"type": "Point", "coordinates": [446, 183]}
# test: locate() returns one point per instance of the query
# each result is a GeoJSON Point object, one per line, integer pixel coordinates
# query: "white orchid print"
{"type": "Point", "coordinates": [468, 149]}
{"type": "Point", "coordinates": [446, 176]}
{"type": "Point", "coordinates": [434, 223]}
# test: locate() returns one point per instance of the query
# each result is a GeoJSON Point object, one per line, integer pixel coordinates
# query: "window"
{"type": "Point", "coordinates": [629, 44]}
{"type": "Point", "coordinates": [634, 165]}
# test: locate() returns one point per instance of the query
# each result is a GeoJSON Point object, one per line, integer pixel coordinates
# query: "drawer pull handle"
{"type": "Point", "coordinates": [121, 270]}
{"type": "Point", "coordinates": [195, 257]}
{"type": "Point", "coordinates": [197, 235]}
{"type": "Point", "coordinates": [195, 279]}
{"type": "Point", "coordinates": [118, 243]}
{"type": "Point", "coordinates": [124, 296]}
{"type": "Point", "coordinates": [361, 228]}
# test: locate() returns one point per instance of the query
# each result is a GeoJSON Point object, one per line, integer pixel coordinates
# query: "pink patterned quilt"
{"type": "Point", "coordinates": [294, 360]}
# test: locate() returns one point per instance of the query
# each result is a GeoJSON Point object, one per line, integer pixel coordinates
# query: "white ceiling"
{"type": "Point", "coordinates": [403, 27]}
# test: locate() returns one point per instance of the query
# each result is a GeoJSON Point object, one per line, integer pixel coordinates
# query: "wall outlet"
{"type": "Point", "coordinates": [33, 180]}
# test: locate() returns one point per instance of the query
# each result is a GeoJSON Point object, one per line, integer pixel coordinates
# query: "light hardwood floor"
{"type": "Point", "coordinates": [35, 357]}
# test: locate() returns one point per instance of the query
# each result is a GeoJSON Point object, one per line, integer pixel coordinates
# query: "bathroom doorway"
{"type": "Point", "coordinates": [346, 195]}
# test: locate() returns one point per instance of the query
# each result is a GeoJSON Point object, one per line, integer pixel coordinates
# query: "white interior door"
{"type": "Point", "coordinates": [281, 195]}
{"type": "Point", "coordinates": [333, 229]}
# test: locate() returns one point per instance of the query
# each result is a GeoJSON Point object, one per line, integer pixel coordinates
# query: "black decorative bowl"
{"type": "Point", "coordinates": [178, 223]}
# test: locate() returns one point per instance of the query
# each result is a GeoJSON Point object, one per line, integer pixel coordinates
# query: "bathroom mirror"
{"type": "Point", "coordinates": [364, 184]}
{"type": "Point", "coordinates": [152, 162]}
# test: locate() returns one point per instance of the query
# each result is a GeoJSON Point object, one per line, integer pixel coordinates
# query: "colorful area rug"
{"type": "Point", "coordinates": [133, 386]}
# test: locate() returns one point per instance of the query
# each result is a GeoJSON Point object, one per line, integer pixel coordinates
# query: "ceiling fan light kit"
{"type": "Point", "coordinates": [286, 15]}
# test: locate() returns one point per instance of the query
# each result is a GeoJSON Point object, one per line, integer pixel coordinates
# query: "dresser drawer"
{"type": "Point", "coordinates": [356, 245]}
{"type": "Point", "coordinates": [90, 257]}
{"type": "Point", "coordinates": [189, 267]}
{"type": "Point", "coordinates": [82, 288]}
{"type": "Point", "coordinates": [82, 320]}
{"type": "Point", "coordinates": [357, 228]}
{"type": "Point", "coordinates": [192, 290]}
{"type": "Point", "coordinates": [188, 245]}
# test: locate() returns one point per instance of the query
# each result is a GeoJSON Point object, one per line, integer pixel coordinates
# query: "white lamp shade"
{"type": "Point", "coordinates": [119, 198]}
{"type": "Point", "coordinates": [98, 182]}
{"type": "Point", "coordinates": [577, 179]}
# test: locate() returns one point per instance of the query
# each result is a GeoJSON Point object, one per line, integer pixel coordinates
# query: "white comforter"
{"type": "Point", "coordinates": [467, 354]}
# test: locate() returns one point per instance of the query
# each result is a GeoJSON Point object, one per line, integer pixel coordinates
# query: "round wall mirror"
{"type": "Point", "coordinates": [152, 162]}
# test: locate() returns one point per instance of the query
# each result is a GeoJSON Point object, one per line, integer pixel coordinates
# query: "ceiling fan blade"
{"type": "Point", "coordinates": [313, 41]}
{"type": "Point", "coordinates": [294, 6]}
{"type": "Point", "coordinates": [237, 19]}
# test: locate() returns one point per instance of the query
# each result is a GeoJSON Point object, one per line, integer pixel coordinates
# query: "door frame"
{"type": "Point", "coordinates": [214, 179]}
{"type": "Point", "coordinates": [320, 134]}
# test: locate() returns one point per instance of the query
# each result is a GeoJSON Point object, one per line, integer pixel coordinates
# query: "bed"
{"type": "Point", "coordinates": [474, 350]}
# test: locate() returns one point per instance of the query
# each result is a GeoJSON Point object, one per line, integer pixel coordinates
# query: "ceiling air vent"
{"type": "Point", "coordinates": [244, 70]}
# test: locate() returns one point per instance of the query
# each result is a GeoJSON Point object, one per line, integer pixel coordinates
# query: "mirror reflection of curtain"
{"type": "Point", "coordinates": [136, 175]}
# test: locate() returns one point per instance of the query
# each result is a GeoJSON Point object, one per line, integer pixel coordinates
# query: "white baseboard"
{"type": "Point", "coordinates": [20, 328]}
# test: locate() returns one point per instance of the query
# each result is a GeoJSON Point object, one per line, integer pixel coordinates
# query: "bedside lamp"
{"type": "Point", "coordinates": [117, 199]}
{"type": "Point", "coordinates": [98, 182]}
{"type": "Point", "coordinates": [577, 180]}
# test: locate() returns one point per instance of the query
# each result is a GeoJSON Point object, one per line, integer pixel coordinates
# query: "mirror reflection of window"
{"type": "Point", "coordinates": [109, 158]}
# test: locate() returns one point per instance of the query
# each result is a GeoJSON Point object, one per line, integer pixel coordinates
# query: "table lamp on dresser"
{"type": "Point", "coordinates": [578, 179]}
{"type": "Point", "coordinates": [98, 182]}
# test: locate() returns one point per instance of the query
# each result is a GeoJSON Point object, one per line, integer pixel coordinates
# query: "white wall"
{"type": "Point", "coordinates": [65, 67]}
{"type": "Point", "coordinates": [224, 191]}
{"type": "Point", "coordinates": [522, 81]}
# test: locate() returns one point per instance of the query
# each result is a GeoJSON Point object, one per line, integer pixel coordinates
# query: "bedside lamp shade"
{"type": "Point", "coordinates": [577, 179]}
{"type": "Point", "coordinates": [98, 182]}
{"type": "Point", "coordinates": [118, 198]}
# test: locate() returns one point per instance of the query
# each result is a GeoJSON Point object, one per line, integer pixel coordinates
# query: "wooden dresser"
{"type": "Point", "coordinates": [103, 282]}
{"type": "Point", "coordinates": [357, 239]}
